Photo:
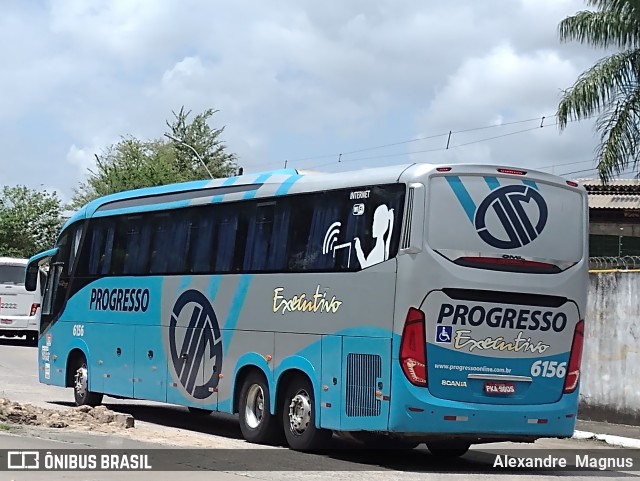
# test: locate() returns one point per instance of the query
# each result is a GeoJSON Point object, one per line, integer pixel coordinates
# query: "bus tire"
{"type": "Point", "coordinates": [257, 423]}
{"type": "Point", "coordinates": [299, 417]}
{"type": "Point", "coordinates": [449, 449]}
{"type": "Point", "coordinates": [81, 393]}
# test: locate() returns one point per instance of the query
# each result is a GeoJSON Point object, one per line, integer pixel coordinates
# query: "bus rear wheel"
{"type": "Point", "coordinates": [257, 423]}
{"type": "Point", "coordinates": [299, 417]}
{"type": "Point", "coordinates": [81, 393]}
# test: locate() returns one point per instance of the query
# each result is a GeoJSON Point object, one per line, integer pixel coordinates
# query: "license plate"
{"type": "Point", "coordinates": [499, 388]}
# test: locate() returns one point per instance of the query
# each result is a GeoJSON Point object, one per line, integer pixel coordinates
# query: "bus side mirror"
{"type": "Point", "coordinates": [31, 277]}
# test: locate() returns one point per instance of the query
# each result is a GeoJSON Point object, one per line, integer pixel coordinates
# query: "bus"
{"type": "Point", "coordinates": [19, 308]}
{"type": "Point", "coordinates": [400, 305]}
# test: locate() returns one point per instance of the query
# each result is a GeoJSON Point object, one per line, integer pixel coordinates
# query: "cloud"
{"type": "Point", "coordinates": [292, 79]}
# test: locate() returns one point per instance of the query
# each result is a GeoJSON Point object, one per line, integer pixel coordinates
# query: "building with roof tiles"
{"type": "Point", "coordinates": [614, 217]}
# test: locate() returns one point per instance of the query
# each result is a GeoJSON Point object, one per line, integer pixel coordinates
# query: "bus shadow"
{"type": "Point", "coordinates": [16, 341]}
{"type": "Point", "coordinates": [340, 455]}
{"type": "Point", "coordinates": [218, 424]}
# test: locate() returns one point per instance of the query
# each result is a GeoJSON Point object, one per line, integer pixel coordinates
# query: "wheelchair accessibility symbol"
{"type": "Point", "coordinates": [443, 334]}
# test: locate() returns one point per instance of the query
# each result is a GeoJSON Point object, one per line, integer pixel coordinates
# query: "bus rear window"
{"type": "Point", "coordinates": [10, 274]}
{"type": "Point", "coordinates": [476, 217]}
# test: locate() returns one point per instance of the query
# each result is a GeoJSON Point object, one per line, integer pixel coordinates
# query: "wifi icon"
{"type": "Point", "coordinates": [331, 237]}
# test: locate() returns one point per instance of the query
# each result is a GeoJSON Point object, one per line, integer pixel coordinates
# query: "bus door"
{"type": "Point", "coordinates": [150, 364]}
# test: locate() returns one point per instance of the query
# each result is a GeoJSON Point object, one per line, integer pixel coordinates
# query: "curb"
{"type": "Point", "coordinates": [618, 441]}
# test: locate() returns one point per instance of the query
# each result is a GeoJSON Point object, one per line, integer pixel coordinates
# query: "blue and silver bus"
{"type": "Point", "coordinates": [398, 305]}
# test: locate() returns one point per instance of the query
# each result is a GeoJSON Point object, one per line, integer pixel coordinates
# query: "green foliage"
{"type": "Point", "coordinates": [133, 163]}
{"type": "Point", "coordinates": [610, 88]}
{"type": "Point", "coordinates": [29, 221]}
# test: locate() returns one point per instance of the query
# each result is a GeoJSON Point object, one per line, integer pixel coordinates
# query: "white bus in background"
{"type": "Point", "coordinates": [19, 309]}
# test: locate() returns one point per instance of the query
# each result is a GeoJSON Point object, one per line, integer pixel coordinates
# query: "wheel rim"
{"type": "Point", "coordinates": [300, 412]}
{"type": "Point", "coordinates": [82, 385]}
{"type": "Point", "coordinates": [254, 410]}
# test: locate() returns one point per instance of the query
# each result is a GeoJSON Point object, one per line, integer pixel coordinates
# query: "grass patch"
{"type": "Point", "coordinates": [6, 427]}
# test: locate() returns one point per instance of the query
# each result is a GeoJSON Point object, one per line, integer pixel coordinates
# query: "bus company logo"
{"type": "Point", "coordinates": [201, 346]}
{"type": "Point", "coordinates": [444, 334]}
{"type": "Point", "coordinates": [507, 203]}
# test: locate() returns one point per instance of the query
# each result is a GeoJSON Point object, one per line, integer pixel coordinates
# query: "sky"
{"type": "Point", "coordinates": [298, 81]}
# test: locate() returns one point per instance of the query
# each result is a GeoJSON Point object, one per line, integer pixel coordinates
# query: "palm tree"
{"type": "Point", "coordinates": [610, 88]}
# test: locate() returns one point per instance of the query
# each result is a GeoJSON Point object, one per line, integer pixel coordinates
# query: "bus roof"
{"type": "Point", "coordinates": [285, 178]}
{"type": "Point", "coordinates": [278, 176]}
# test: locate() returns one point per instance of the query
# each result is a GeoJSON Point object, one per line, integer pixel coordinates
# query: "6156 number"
{"type": "Point", "coordinates": [548, 369]}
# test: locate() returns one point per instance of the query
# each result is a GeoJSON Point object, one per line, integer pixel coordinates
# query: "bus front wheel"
{"type": "Point", "coordinates": [81, 393]}
{"type": "Point", "coordinates": [257, 423]}
{"type": "Point", "coordinates": [299, 417]}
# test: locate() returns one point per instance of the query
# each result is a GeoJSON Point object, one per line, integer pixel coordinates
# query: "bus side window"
{"type": "Point", "coordinates": [201, 236]}
{"type": "Point", "coordinates": [326, 212]}
{"type": "Point", "coordinates": [281, 234]}
{"type": "Point", "coordinates": [259, 233]}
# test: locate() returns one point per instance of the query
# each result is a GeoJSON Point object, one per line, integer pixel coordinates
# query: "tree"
{"type": "Point", "coordinates": [29, 221]}
{"type": "Point", "coordinates": [205, 140]}
{"type": "Point", "coordinates": [609, 88]}
{"type": "Point", "coordinates": [133, 163]}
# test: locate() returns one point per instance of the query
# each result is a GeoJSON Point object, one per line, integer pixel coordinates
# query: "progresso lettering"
{"type": "Point", "coordinates": [118, 299]}
{"type": "Point", "coordinates": [506, 318]}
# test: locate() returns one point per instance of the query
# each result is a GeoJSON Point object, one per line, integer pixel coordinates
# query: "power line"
{"type": "Point", "coordinates": [445, 148]}
{"type": "Point", "coordinates": [562, 165]}
{"type": "Point", "coordinates": [415, 139]}
{"type": "Point", "coordinates": [624, 171]}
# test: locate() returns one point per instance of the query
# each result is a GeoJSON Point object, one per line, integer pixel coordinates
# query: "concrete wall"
{"type": "Point", "coordinates": [610, 388]}
{"type": "Point", "coordinates": [617, 228]}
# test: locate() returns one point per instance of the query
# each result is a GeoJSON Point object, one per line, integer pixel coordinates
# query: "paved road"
{"type": "Point", "coordinates": [174, 425]}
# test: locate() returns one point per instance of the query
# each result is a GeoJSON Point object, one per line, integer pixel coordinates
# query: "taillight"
{"type": "Point", "coordinates": [413, 357]}
{"type": "Point", "coordinates": [512, 171]}
{"type": "Point", "coordinates": [573, 373]}
{"type": "Point", "coordinates": [443, 169]}
{"type": "Point", "coordinates": [34, 308]}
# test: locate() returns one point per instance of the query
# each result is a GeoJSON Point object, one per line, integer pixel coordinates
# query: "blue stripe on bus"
{"type": "Point", "coordinates": [184, 282]}
{"type": "Point", "coordinates": [218, 198]}
{"type": "Point", "coordinates": [286, 185]}
{"type": "Point", "coordinates": [252, 193]}
{"type": "Point", "coordinates": [212, 291]}
{"type": "Point", "coordinates": [234, 311]}
{"type": "Point", "coordinates": [530, 183]}
{"type": "Point", "coordinates": [492, 182]}
{"type": "Point", "coordinates": [463, 196]}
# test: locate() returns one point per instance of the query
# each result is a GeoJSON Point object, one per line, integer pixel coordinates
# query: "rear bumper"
{"type": "Point", "coordinates": [19, 323]}
{"type": "Point", "coordinates": [414, 411]}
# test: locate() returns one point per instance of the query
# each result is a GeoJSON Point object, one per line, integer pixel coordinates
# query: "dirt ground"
{"type": "Point", "coordinates": [16, 416]}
